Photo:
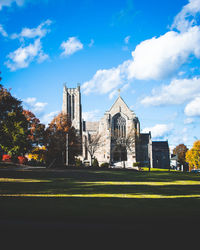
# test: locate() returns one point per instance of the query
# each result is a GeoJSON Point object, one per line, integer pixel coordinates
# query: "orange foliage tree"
{"type": "Point", "coordinates": [56, 140]}
{"type": "Point", "coordinates": [180, 151]}
{"type": "Point", "coordinates": [36, 129]}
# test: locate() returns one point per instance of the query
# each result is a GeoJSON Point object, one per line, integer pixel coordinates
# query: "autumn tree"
{"type": "Point", "coordinates": [13, 125]}
{"type": "Point", "coordinates": [180, 151]}
{"type": "Point", "coordinates": [36, 129]}
{"type": "Point", "coordinates": [193, 155]}
{"type": "Point", "coordinates": [56, 133]}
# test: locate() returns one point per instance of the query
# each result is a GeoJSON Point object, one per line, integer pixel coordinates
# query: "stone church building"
{"type": "Point", "coordinates": [116, 137]}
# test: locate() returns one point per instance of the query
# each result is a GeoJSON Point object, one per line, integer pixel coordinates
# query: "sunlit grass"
{"type": "Point", "coordinates": [90, 195]}
{"type": "Point", "coordinates": [22, 180]}
{"type": "Point", "coordinates": [128, 196]}
{"type": "Point", "coordinates": [158, 169]}
{"type": "Point", "coordinates": [156, 183]}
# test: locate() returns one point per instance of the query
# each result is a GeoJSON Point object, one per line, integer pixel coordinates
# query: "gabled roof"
{"type": "Point", "coordinates": [174, 157]}
{"type": "Point", "coordinates": [120, 102]}
{"type": "Point", "coordinates": [160, 145]}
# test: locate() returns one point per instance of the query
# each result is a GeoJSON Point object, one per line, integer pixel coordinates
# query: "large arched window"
{"type": "Point", "coordinates": [119, 126]}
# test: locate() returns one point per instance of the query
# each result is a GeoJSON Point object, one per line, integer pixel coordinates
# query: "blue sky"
{"type": "Point", "coordinates": [149, 49]}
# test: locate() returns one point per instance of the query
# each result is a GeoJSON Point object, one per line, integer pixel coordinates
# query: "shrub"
{"type": "Point", "coordinates": [78, 162]}
{"type": "Point", "coordinates": [95, 163]}
{"type": "Point", "coordinates": [6, 158]}
{"type": "Point", "coordinates": [104, 165]}
{"type": "Point", "coordinates": [137, 164]}
{"type": "Point", "coordinates": [22, 160]}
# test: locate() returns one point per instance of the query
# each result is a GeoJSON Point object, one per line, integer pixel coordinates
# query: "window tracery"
{"type": "Point", "coordinates": [119, 126]}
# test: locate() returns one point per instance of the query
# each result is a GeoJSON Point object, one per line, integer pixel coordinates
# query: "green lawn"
{"type": "Point", "coordinates": [100, 196]}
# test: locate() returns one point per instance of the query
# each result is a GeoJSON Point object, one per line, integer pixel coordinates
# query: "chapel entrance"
{"type": "Point", "coordinates": [119, 153]}
{"type": "Point", "coordinates": [118, 135]}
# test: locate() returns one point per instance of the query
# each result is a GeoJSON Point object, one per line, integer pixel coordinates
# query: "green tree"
{"type": "Point", "coordinates": [13, 125]}
{"type": "Point", "coordinates": [180, 151]}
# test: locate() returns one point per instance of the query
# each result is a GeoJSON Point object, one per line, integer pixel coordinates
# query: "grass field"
{"type": "Point", "coordinates": [101, 197]}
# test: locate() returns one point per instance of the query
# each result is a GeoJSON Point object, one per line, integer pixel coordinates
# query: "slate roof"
{"type": "Point", "coordinates": [160, 145]}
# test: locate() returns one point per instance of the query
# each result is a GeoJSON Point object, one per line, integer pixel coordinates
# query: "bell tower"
{"type": "Point", "coordinates": [72, 106]}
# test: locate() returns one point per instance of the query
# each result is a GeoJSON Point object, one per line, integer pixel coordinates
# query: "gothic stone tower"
{"type": "Point", "coordinates": [72, 107]}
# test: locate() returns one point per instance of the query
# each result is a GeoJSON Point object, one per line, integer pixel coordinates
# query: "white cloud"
{"type": "Point", "coordinates": [39, 106]}
{"type": "Point", "coordinates": [183, 20]}
{"type": "Point", "coordinates": [32, 104]}
{"type": "Point", "coordinates": [38, 32]}
{"type": "Point", "coordinates": [159, 58]}
{"type": "Point", "coordinates": [47, 118]}
{"type": "Point", "coordinates": [106, 80]}
{"type": "Point", "coordinates": [42, 57]}
{"type": "Point", "coordinates": [71, 46]}
{"type": "Point", "coordinates": [159, 130]}
{"type": "Point", "coordinates": [23, 56]}
{"type": "Point", "coordinates": [91, 115]}
{"type": "Point", "coordinates": [113, 93]}
{"type": "Point", "coordinates": [193, 108]}
{"type": "Point", "coordinates": [30, 100]}
{"type": "Point", "coordinates": [118, 91]}
{"type": "Point", "coordinates": [156, 59]}
{"type": "Point", "coordinates": [8, 3]}
{"type": "Point", "coordinates": [2, 31]}
{"type": "Point", "coordinates": [177, 92]}
{"type": "Point", "coordinates": [126, 39]}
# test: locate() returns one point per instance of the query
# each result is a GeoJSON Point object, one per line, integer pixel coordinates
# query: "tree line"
{"type": "Point", "coordinates": [22, 133]}
{"type": "Point", "coordinates": [188, 158]}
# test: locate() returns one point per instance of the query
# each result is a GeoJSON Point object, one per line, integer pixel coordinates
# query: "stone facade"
{"type": "Point", "coordinates": [72, 107]}
{"type": "Point", "coordinates": [117, 135]}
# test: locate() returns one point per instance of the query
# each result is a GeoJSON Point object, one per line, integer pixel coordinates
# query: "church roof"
{"type": "Point", "coordinates": [121, 103]}
{"type": "Point", "coordinates": [117, 100]}
{"type": "Point", "coordinates": [160, 145]}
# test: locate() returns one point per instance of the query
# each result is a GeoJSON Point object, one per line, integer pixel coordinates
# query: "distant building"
{"type": "Point", "coordinates": [174, 163]}
{"type": "Point", "coordinates": [121, 143]}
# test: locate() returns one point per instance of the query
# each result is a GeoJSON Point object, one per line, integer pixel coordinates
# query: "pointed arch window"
{"type": "Point", "coordinates": [119, 126]}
